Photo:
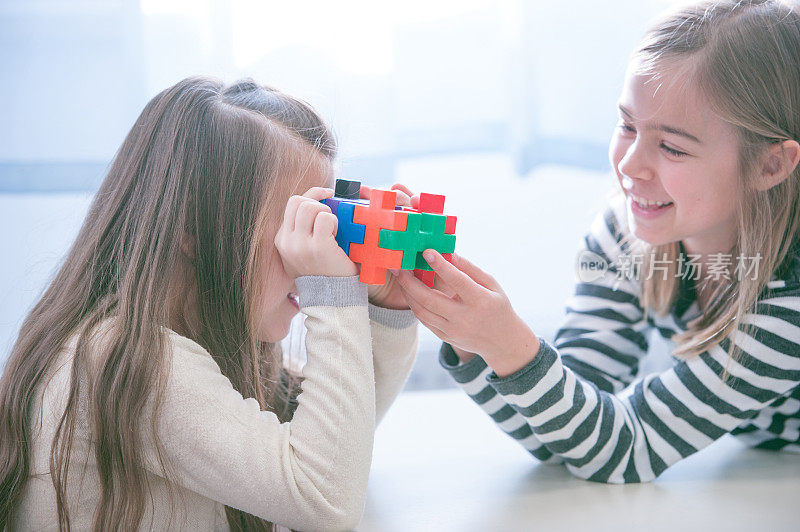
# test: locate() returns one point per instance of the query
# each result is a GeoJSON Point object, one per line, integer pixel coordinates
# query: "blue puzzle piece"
{"type": "Point", "coordinates": [348, 231]}
{"type": "Point", "coordinates": [333, 203]}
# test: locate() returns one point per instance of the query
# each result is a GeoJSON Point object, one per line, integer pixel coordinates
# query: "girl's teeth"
{"type": "Point", "coordinates": [648, 204]}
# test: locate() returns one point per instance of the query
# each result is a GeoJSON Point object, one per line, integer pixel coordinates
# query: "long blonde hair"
{"type": "Point", "coordinates": [745, 60]}
{"type": "Point", "coordinates": [203, 161]}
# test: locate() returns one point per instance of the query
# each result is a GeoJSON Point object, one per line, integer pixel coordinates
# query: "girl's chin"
{"type": "Point", "coordinates": [273, 336]}
{"type": "Point", "coordinates": [651, 237]}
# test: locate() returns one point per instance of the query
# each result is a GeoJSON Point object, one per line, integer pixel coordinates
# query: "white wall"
{"type": "Point", "coordinates": [454, 97]}
{"type": "Point", "coordinates": [35, 233]}
{"type": "Point", "coordinates": [398, 80]}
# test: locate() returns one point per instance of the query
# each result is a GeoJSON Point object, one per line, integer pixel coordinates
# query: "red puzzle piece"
{"type": "Point", "coordinates": [432, 203]}
{"type": "Point", "coordinates": [380, 214]}
{"type": "Point", "coordinates": [450, 225]}
{"type": "Point", "coordinates": [427, 276]}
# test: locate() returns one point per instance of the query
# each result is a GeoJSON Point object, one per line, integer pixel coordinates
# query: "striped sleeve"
{"type": "Point", "coordinates": [472, 378]}
{"type": "Point", "coordinates": [603, 336]}
{"type": "Point", "coordinates": [635, 435]}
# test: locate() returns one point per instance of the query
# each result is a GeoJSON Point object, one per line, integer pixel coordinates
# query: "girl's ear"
{"type": "Point", "coordinates": [187, 246]}
{"type": "Point", "coordinates": [780, 160]}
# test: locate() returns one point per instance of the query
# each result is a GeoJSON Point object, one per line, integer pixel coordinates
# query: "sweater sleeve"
{"type": "Point", "coordinates": [310, 473]}
{"type": "Point", "coordinates": [633, 436]}
{"type": "Point", "coordinates": [394, 349]}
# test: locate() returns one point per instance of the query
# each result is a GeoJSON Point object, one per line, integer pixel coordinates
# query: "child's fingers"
{"type": "Point", "coordinates": [458, 281]}
{"type": "Point", "coordinates": [307, 212]}
{"type": "Point", "coordinates": [404, 195]}
{"type": "Point", "coordinates": [325, 226]}
{"type": "Point", "coordinates": [430, 299]}
{"type": "Point", "coordinates": [476, 274]}
{"type": "Point", "coordinates": [403, 199]}
{"type": "Point", "coordinates": [290, 213]}
{"type": "Point", "coordinates": [318, 193]}
{"type": "Point", "coordinates": [443, 287]}
{"type": "Point", "coordinates": [430, 319]}
{"type": "Point", "coordinates": [402, 188]}
{"type": "Point", "coordinates": [312, 194]}
{"type": "Point", "coordinates": [438, 332]}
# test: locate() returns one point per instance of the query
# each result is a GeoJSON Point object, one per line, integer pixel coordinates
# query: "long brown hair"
{"type": "Point", "coordinates": [745, 57]}
{"type": "Point", "coordinates": [204, 163]}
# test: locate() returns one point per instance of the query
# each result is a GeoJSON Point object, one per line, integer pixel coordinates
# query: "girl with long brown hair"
{"type": "Point", "coordinates": [147, 388]}
{"type": "Point", "coordinates": [701, 246]}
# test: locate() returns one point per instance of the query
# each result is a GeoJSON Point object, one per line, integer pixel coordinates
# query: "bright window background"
{"type": "Point", "coordinates": [504, 106]}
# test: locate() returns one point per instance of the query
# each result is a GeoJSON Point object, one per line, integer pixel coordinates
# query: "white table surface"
{"type": "Point", "coordinates": [441, 464]}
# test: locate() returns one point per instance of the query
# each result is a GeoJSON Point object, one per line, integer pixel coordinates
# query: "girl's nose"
{"type": "Point", "coordinates": [635, 164]}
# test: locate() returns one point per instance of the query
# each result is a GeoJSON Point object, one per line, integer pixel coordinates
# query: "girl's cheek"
{"type": "Point", "coordinates": [279, 272]}
{"type": "Point", "coordinates": [682, 184]}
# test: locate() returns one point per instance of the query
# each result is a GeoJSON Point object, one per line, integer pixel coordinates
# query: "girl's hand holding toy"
{"type": "Point", "coordinates": [476, 318]}
{"type": "Point", "coordinates": [306, 240]}
{"type": "Point", "coordinates": [307, 245]}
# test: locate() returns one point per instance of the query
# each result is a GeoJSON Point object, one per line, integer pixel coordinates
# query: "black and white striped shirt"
{"type": "Point", "coordinates": [581, 402]}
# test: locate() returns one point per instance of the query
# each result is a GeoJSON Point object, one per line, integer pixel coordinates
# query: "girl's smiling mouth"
{"type": "Point", "coordinates": [645, 208]}
{"type": "Point", "coordinates": [648, 204]}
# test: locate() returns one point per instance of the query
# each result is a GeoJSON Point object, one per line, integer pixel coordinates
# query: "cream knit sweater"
{"type": "Point", "coordinates": [308, 474]}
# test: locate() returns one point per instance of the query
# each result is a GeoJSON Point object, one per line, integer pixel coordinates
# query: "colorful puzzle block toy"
{"type": "Point", "coordinates": [379, 235]}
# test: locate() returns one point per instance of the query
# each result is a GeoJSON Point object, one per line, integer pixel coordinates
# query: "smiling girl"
{"type": "Point", "coordinates": [706, 157]}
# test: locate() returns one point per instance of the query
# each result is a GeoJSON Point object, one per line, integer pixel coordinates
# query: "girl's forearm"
{"type": "Point", "coordinates": [519, 350]}
{"type": "Point", "coordinates": [394, 350]}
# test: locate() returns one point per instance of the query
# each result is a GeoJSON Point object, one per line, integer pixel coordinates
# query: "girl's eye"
{"type": "Point", "coordinates": [628, 129]}
{"type": "Point", "coordinates": [671, 151]}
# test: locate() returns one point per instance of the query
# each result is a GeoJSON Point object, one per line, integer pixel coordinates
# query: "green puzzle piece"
{"type": "Point", "coordinates": [423, 231]}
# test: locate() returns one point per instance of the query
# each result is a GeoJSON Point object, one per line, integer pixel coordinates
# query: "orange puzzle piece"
{"type": "Point", "coordinates": [380, 214]}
